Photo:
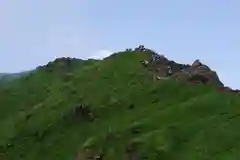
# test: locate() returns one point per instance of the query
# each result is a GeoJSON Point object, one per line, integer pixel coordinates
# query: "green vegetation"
{"type": "Point", "coordinates": [42, 115]}
{"type": "Point", "coordinates": [6, 77]}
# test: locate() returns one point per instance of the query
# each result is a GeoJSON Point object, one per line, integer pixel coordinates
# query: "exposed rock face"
{"type": "Point", "coordinates": [201, 73]}
{"type": "Point", "coordinates": [228, 89]}
{"type": "Point", "coordinates": [161, 66]}
{"type": "Point", "coordinates": [197, 72]}
{"type": "Point", "coordinates": [196, 63]}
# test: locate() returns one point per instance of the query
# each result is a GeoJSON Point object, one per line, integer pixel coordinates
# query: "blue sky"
{"type": "Point", "coordinates": [33, 32]}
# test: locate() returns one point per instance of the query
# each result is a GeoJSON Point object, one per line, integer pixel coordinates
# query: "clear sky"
{"type": "Point", "coordinates": [33, 32]}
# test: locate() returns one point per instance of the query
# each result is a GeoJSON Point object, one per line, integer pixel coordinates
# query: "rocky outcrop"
{"type": "Point", "coordinates": [162, 64]}
{"type": "Point", "coordinates": [196, 63]}
{"type": "Point", "coordinates": [199, 73]}
{"type": "Point", "coordinates": [228, 90]}
{"type": "Point", "coordinates": [196, 73]}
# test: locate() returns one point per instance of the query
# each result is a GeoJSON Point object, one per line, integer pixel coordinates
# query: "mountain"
{"type": "Point", "coordinates": [123, 107]}
{"type": "Point", "coordinates": [6, 77]}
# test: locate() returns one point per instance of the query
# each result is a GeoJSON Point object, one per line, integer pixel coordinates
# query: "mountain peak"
{"type": "Point", "coordinates": [112, 109]}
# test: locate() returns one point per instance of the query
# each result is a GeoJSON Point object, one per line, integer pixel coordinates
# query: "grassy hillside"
{"type": "Point", "coordinates": [126, 114]}
{"type": "Point", "coordinates": [6, 77]}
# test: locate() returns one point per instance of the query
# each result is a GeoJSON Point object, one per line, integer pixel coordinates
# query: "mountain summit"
{"type": "Point", "coordinates": [132, 105]}
{"type": "Point", "coordinates": [197, 72]}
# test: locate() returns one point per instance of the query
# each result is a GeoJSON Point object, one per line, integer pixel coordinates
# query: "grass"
{"type": "Point", "coordinates": [157, 120]}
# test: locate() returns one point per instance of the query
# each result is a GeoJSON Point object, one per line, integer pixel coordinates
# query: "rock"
{"type": "Point", "coordinates": [224, 89]}
{"type": "Point", "coordinates": [197, 72]}
{"type": "Point", "coordinates": [228, 90]}
{"type": "Point", "coordinates": [202, 74]}
{"type": "Point", "coordinates": [196, 63]}
{"type": "Point", "coordinates": [236, 91]}
{"type": "Point", "coordinates": [199, 79]}
{"type": "Point", "coordinates": [145, 63]}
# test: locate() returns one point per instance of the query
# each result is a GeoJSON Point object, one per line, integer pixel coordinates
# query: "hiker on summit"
{"type": "Point", "coordinates": [169, 71]}
{"type": "Point", "coordinates": [155, 57]}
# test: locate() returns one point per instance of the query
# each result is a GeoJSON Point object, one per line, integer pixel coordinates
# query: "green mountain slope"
{"type": "Point", "coordinates": [6, 77]}
{"type": "Point", "coordinates": [70, 109]}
